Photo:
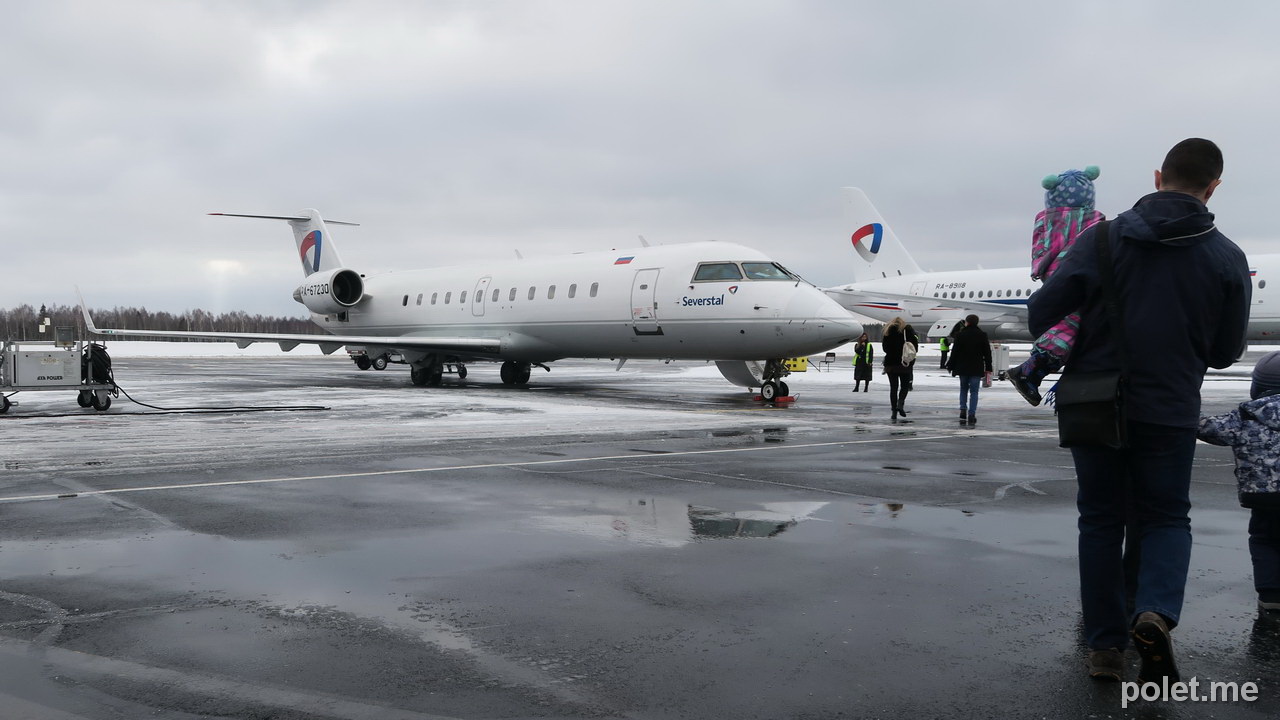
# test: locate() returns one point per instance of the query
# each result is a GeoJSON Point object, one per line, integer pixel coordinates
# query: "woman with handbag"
{"type": "Point", "coordinates": [971, 361]}
{"type": "Point", "coordinates": [898, 358]}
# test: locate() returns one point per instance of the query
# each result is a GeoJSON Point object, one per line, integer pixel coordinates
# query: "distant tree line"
{"type": "Point", "coordinates": [23, 322]}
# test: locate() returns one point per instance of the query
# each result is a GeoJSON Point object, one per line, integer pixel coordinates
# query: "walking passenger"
{"type": "Point", "coordinates": [1252, 431]}
{"type": "Point", "coordinates": [971, 361]}
{"type": "Point", "coordinates": [897, 362]}
{"type": "Point", "coordinates": [1185, 288]}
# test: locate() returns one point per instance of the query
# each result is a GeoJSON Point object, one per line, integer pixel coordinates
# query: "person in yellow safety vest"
{"type": "Point", "coordinates": [944, 345]}
{"type": "Point", "coordinates": [863, 355]}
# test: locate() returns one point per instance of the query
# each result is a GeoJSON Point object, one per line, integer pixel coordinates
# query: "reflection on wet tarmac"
{"type": "Point", "coordinates": [671, 523]}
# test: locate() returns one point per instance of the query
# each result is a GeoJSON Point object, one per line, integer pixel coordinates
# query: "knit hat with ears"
{"type": "Point", "coordinates": [1072, 188]}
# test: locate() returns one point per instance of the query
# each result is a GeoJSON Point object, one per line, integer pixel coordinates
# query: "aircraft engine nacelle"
{"type": "Point", "coordinates": [330, 292]}
{"type": "Point", "coordinates": [746, 374]}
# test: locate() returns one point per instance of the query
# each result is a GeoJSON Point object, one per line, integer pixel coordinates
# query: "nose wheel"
{"type": "Point", "coordinates": [773, 389]}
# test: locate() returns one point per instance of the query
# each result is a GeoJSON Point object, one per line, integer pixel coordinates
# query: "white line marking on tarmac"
{"type": "Point", "coordinates": [482, 466]}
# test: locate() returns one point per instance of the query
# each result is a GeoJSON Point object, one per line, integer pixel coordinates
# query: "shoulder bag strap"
{"type": "Point", "coordinates": [1106, 267]}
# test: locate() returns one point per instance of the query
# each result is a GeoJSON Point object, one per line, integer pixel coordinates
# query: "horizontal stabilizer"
{"type": "Point", "coordinates": [290, 218]}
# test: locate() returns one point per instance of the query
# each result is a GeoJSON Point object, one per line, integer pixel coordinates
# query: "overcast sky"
{"type": "Point", "coordinates": [464, 131]}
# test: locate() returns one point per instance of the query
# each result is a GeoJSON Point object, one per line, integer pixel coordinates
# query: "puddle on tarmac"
{"type": "Point", "coordinates": [664, 522]}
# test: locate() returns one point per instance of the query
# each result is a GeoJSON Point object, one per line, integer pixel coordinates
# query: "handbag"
{"type": "Point", "coordinates": [1091, 410]}
{"type": "Point", "coordinates": [1091, 405]}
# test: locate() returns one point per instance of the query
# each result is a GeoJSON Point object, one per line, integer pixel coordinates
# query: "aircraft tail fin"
{"type": "Point", "coordinates": [879, 253]}
{"type": "Point", "coordinates": [316, 250]}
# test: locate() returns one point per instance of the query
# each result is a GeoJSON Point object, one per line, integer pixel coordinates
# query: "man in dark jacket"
{"type": "Point", "coordinates": [971, 360]}
{"type": "Point", "coordinates": [1184, 288]}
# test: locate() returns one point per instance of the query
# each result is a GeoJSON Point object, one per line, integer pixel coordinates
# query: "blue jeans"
{"type": "Point", "coordinates": [969, 385]}
{"type": "Point", "coordinates": [1150, 481]}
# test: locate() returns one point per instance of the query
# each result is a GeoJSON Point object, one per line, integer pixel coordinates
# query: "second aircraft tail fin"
{"type": "Point", "coordinates": [879, 252]}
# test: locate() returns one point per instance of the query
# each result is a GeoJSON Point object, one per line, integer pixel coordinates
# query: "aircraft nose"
{"type": "Point", "coordinates": [840, 327]}
{"type": "Point", "coordinates": [837, 323]}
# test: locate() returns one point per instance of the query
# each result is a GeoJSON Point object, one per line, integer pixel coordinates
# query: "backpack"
{"type": "Point", "coordinates": [908, 352]}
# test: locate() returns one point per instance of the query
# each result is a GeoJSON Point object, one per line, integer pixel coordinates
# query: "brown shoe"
{"type": "Point", "coordinates": [1106, 665]}
{"type": "Point", "coordinates": [1155, 647]}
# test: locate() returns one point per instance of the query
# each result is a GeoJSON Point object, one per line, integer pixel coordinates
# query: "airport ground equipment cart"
{"type": "Point", "coordinates": [63, 364]}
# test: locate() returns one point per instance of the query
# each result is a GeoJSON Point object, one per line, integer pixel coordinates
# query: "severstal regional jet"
{"type": "Point", "coordinates": [710, 301]}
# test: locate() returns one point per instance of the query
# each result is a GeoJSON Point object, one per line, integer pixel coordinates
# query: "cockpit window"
{"type": "Point", "coordinates": [711, 272]}
{"type": "Point", "coordinates": [766, 271]}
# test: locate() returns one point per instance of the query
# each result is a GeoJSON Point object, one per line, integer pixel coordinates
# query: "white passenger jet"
{"type": "Point", "coordinates": [887, 283]}
{"type": "Point", "coordinates": [701, 301]}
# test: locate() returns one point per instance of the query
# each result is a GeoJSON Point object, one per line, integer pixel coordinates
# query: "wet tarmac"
{"type": "Point", "coordinates": [646, 543]}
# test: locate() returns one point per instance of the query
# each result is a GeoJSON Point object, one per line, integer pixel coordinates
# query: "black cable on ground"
{"type": "Point", "coordinates": [214, 410]}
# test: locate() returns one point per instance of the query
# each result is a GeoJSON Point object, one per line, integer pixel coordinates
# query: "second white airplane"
{"type": "Point", "coordinates": [701, 301]}
{"type": "Point", "coordinates": [888, 283]}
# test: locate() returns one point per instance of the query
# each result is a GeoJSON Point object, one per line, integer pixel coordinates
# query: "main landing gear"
{"type": "Point", "coordinates": [515, 373]}
{"type": "Point", "coordinates": [430, 372]}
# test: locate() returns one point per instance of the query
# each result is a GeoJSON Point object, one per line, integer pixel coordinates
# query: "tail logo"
{"type": "Point", "coordinates": [311, 243]}
{"type": "Point", "coordinates": [876, 232]}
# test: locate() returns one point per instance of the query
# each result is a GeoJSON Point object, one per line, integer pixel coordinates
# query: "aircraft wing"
{"type": "Point", "coordinates": [327, 343]}
{"type": "Point", "coordinates": [1005, 316]}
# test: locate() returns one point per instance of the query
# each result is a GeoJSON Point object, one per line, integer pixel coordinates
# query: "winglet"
{"type": "Point", "coordinates": [84, 310]}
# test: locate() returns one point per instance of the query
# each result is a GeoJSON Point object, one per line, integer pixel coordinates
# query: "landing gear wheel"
{"type": "Point", "coordinates": [521, 374]}
{"type": "Point", "coordinates": [783, 390]}
{"type": "Point", "coordinates": [101, 401]}
{"type": "Point", "coordinates": [435, 375]}
{"type": "Point", "coordinates": [507, 372]}
{"type": "Point", "coordinates": [363, 362]}
{"type": "Point", "coordinates": [462, 372]}
{"type": "Point", "coordinates": [769, 390]}
{"type": "Point", "coordinates": [84, 398]}
{"type": "Point", "coordinates": [380, 362]}
{"type": "Point", "coordinates": [4, 405]}
{"type": "Point", "coordinates": [418, 375]}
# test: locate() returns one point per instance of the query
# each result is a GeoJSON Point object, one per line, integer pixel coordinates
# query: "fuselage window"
{"type": "Point", "coordinates": [446, 297]}
{"type": "Point", "coordinates": [1019, 291]}
{"type": "Point", "coordinates": [551, 292]}
{"type": "Point", "coordinates": [970, 293]}
{"type": "Point", "coordinates": [765, 271]}
{"type": "Point", "coordinates": [434, 295]}
{"type": "Point", "coordinates": [512, 296]}
{"type": "Point", "coordinates": [406, 301]}
{"type": "Point", "coordinates": [714, 272]}
{"type": "Point", "coordinates": [595, 288]}
{"type": "Point", "coordinates": [419, 298]}
{"type": "Point", "coordinates": [999, 293]}
{"type": "Point", "coordinates": [462, 298]}
{"type": "Point", "coordinates": [495, 294]}
{"type": "Point", "coordinates": [1262, 284]}
{"type": "Point", "coordinates": [573, 290]}
{"type": "Point", "coordinates": [532, 291]}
